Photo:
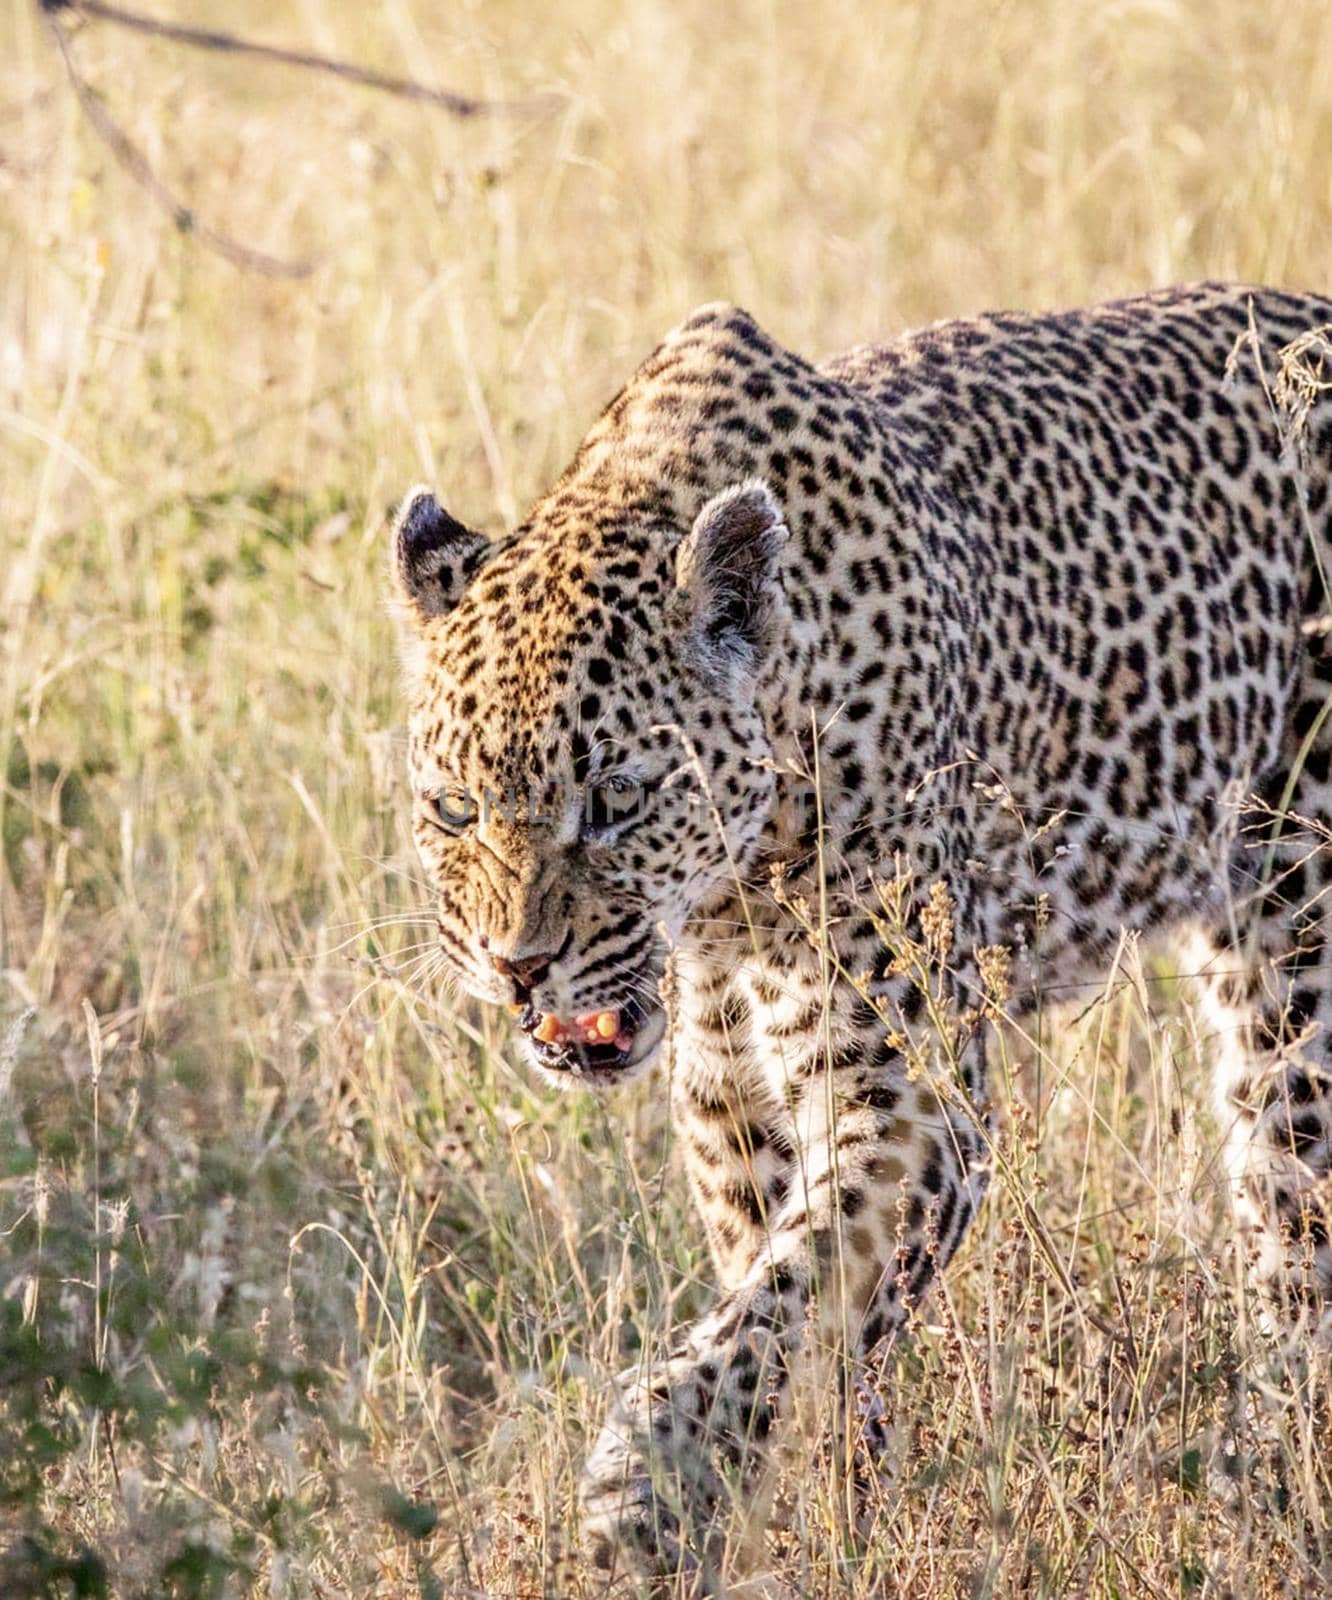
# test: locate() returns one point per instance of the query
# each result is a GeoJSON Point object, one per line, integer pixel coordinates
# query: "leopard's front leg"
{"type": "Point", "coordinates": [653, 1471]}
{"type": "Point", "coordinates": [688, 1437]}
{"type": "Point", "coordinates": [886, 1181]}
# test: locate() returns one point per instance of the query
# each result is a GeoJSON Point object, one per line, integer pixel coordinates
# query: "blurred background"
{"type": "Point", "coordinates": [304, 1287]}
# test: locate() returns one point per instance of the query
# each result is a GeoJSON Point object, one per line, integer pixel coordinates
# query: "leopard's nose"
{"type": "Point", "coordinates": [524, 972]}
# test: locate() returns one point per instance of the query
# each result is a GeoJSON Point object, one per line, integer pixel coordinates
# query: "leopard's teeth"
{"type": "Point", "coordinates": [598, 1026]}
{"type": "Point", "coordinates": [588, 1027]}
{"type": "Point", "coordinates": [548, 1030]}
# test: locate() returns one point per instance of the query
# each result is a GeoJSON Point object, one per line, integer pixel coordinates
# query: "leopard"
{"type": "Point", "coordinates": [819, 720]}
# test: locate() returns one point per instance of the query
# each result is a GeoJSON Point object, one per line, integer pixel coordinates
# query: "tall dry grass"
{"type": "Point", "coordinates": [307, 1289]}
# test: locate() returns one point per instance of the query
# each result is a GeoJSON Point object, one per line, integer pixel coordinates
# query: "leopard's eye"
{"type": "Point", "coordinates": [614, 803]}
{"type": "Point", "coordinates": [452, 810]}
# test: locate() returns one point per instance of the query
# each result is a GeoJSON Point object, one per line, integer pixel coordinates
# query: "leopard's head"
{"type": "Point", "coordinates": [588, 758]}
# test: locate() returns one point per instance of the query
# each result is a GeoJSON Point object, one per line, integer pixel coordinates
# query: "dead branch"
{"type": "Point", "coordinates": [460, 105]}
{"type": "Point", "coordinates": [133, 161]}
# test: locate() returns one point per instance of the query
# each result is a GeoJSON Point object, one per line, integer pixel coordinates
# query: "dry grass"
{"type": "Point", "coordinates": [308, 1290]}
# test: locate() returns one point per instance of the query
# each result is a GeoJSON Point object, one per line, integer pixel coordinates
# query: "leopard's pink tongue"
{"type": "Point", "coordinates": [589, 1027]}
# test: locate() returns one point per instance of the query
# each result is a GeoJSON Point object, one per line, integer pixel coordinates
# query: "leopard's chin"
{"type": "Point", "coordinates": [590, 1061]}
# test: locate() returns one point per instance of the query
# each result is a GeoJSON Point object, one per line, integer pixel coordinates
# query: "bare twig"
{"type": "Point", "coordinates": [460, 105]}
{"type": "Point", "coordinates": [136, 164]}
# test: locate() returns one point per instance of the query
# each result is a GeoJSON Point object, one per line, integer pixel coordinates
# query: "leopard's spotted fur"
{"type": "Point", "coordinates": [1039, 600]}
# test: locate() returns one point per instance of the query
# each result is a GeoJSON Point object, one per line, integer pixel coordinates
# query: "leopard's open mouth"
{"type": "Point", "coordinates": [606, 1041]}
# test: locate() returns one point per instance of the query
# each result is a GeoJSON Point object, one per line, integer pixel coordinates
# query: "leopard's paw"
{"type": "Point", "coordinates": [649, 1494]}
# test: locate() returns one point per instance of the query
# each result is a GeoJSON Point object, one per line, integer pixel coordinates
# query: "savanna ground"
{"type": "Point", "coordinates": [306, 1288]}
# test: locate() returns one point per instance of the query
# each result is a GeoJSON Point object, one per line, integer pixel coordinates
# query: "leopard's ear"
{"type": "Point", "coordinates": [728, 578]}
{"type": "Point", "coordinates": [433, 557]}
